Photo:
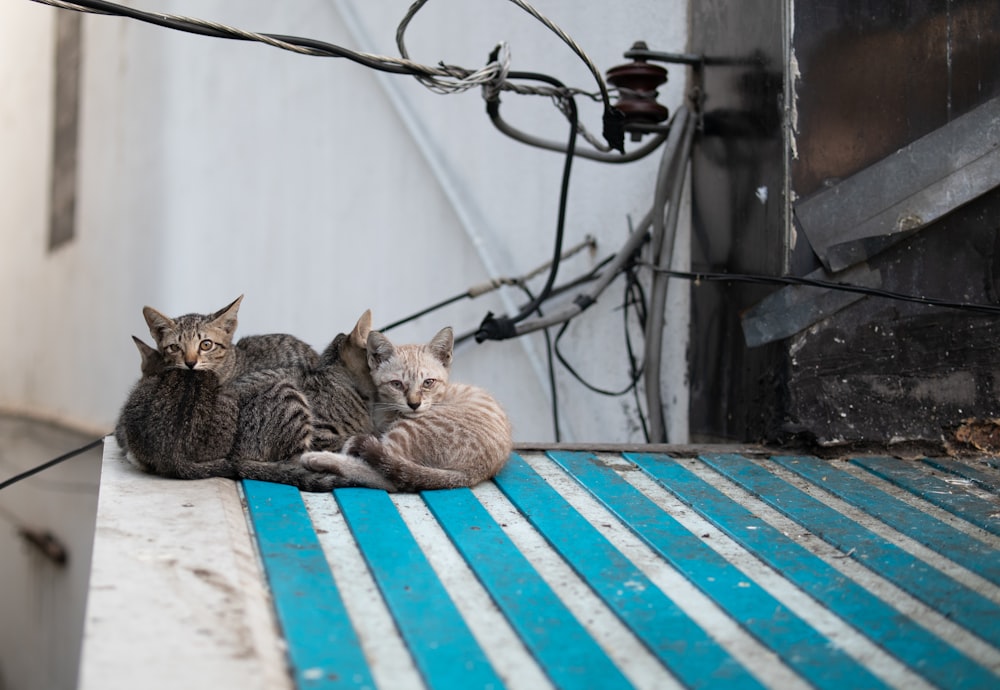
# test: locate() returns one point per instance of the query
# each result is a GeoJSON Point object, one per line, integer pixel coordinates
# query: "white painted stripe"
{"type": "Point", "coordinates": [640, 667]}
{"type": "Point", "coordinates": [974, 531]}
{"type": "Point", "coordinates": [911, 546]}
{"type": "Point", "coordinates": [759, 660]}
{"type": "Point", "coordinates": [837, 631]}
{"type": "Point", "coordinates": [502, 646]}
{"type": "Point", "coordinates": [387, 655]}
{"type": "Point", "coordinates": [892, 595]}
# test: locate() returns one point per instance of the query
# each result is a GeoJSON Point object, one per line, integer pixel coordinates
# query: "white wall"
{"type": "Point", "coordinates": [212, 168]}
{"type": "Point", "coordinates": [318, 188]}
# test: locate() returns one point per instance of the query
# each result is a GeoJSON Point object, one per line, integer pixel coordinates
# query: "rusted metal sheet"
{"type": "Point", "coordinates": [855, 115]}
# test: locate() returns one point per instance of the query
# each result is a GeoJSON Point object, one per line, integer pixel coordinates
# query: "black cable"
{"type": "Point", "coordinates": [434, 307]}
{"type": "Point", "coordinates": [502, 328]}
{"type": "Point", "coordinates": [613, 120]}
{"type": "Point", "coordinates": [636, 372]}
{"type": "Point", "coordinates": [44, 466]}
{"type": "Point", "coordinates": [552, 383]}
{"type": "Point", "coordinates": [634, 293]}
{"type": "Point", "coordinates": [552, 370]}
{"type": "Point", "coordinates": [315, 47]}
{"type": "Point", "coordinates": [989, 309]}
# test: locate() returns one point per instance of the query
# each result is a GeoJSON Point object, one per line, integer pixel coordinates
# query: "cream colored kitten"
{"type": "Point", "coordinates": [433, 434]}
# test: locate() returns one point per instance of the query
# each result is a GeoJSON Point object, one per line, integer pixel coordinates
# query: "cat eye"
{"type": "Point", "coordinates": [172, 349]}
{"type": "Point", "coordinates": [206, 345]}
{"type": "Point", "coordinates": [429, 383]}
{"type": "Point", "coordinates": [398, 385]}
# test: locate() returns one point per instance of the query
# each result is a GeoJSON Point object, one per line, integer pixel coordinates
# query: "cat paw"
{"type": "Point", "coordinates": [321, 461]}
{"type": "Point", "coordinates": [352, 444]}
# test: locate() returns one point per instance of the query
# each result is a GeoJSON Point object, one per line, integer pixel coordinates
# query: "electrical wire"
{"type": "Point", "coordinates": [698, 276]}
{"type": "Point", "coordinates": [636, 373]}
{"type": "Point", "coordinates": [45, 465]}
{"type": "Point", "coordinates": [493, 111]}
{"type": "Point", "coordinates": [553, 391]}
{"type": "Point", "coordinates": [636, 287]}
{"type": "Point", "coordinates": [441, 78]}
{"type": "Point", "coordinates": [632, 295]}
{"type": "Point", "coordinates": [494, 284]}
{"type": "Point", "coordinates": [435, 84]}
{"type": "Point", "coordinates": [501, 328]}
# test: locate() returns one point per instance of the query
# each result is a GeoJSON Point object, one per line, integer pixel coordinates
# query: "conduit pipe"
{"type": "Point", "coordinates": [669, 188]}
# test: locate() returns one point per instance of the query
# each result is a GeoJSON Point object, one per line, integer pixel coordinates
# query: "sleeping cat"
{"type": "Point", "coordinates": [190, 423]}
{"type": "Point", "coordinates": [433, 434]}
{"type": "Point", "coordinates": [205, 342]}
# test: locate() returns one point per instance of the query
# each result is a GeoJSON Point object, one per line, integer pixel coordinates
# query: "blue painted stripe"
{"type": "Point", "coordinates": [910, 643]}
{"type": "Point", "coordinates": [683, 647]}
{"type": "Point", "coordinates": [323, 649]}
{"type": "Point", "coordinates": [962, 605]}
{"type": "Point", "coordinates": [957, 546]}
{"type": "Point", "coordinates": [799, 645]}
{"type": "Point", "coordinates": [984, 479]}
{"type": "Point", "coordinates": [935, 490]}
{"type": "Point", "coordinates": [563, 648]}
{"type": "Point", "coordinates": [437, 636]}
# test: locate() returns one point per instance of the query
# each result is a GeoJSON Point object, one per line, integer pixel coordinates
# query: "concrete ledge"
{"type": "Point", "coordinates": [176, 593]}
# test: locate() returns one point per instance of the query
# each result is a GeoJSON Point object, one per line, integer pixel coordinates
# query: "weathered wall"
{"type": "Point", "coordinates": [211, 168]}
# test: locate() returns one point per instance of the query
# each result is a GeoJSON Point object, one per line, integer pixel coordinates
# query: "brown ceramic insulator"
{"type": "Point", "coordinates": [637, 81]}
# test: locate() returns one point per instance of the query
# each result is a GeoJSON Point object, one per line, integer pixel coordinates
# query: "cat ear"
{"type": "Point", "coordinates": [225, 318]}
{"type": "Point", "coordinates": [157, 322]}
{"type": "Point", "coordinates": [151, 358]}
{"type": "Point", "coordinates": [359, 336]}
{"type": "Point", "coordinates": [144, 349]}
{"type": "Point", "coordinates": [379, 349]}
{"type": "Point", "coordinates": [442, 345]}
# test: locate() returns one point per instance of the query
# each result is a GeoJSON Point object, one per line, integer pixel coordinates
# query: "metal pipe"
{"type": "Point", "coordinates": [667, 231]}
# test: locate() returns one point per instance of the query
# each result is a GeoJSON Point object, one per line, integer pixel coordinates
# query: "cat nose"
{"type": "Point", "coordinates": [191, 363]}
{"type": "Point", "coordinates": [414, 404]}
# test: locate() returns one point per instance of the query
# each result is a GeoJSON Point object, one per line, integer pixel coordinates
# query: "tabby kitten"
{"type": "Point", "coordinates": [434, 434]}
{"type": "Point", "coordinates": [187, 423]}
{"type": "Point", "coordinates": [205, 342]}
{"type": "Point", "coordinates": [177, 423]}
{"type": "Point", "coordinates": [339, 389]}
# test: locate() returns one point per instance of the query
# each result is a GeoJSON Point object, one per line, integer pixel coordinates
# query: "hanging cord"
{"type": "Point", "coordinates": [494, 284]}
{"type": "Point", "coordinates": [44, 466]}
{"type": "Point", "coordinates": [699, 276]}
{"type": "Point", "coordinates": [633, 295]}
{"type": "Point", "coordinates": [502, 328]}
{"type": "Point", "coordinates": [553, 391]}
{"type": "Point", "coordinates": [440, 79]}
{"type": "Point", "coordinates": [594, 274]}
{"type": "Point", "coordinates": [600, 155]}
{"type": "Point", "coordinates": [613, 119]}
{"type": "Point", "coordinates": [626, 255]}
